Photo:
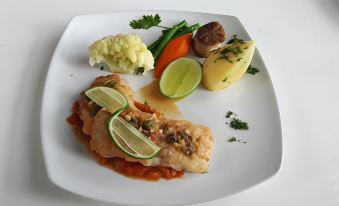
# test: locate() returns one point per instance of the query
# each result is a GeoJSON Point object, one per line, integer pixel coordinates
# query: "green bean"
{"type": "Point", "coordinates": [154, 44]}
{"type": "Point", "coordinates": [188, 30]}
{"type": "Point", "coordinates": [177, 34]}
{"type": "Point", "coordinates": [164, 41]}
{"type": "Point", "coordinates": [168, 36]}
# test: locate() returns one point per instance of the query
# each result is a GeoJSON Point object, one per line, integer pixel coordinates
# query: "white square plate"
{"type": "Point", "coordinates": [234, 166]}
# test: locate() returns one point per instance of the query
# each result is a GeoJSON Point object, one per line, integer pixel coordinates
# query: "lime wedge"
{"type": "Point", "coordinates": [129, 139]}
{"type": "Point", "coordinates": [108, 98]}
{"type": "Point", "coordinates": [180, 78]}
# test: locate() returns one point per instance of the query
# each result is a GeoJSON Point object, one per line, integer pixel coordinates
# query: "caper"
{"type": "Point", "coordinates": [189, 149]}
{"type": "Point", "coordinates": [146, 125]}
{"type": "Point", "coordinates": [164, 128]}
{"type": "Point", "coordinates": [147, 133]}
{"type": "Point", "coordinates": [134, 122]}
{"type": "Point", "coordinates": [171, 138]}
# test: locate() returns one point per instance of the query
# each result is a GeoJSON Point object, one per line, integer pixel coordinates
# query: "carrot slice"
{"type": "Point", "coordinates": [178, 47]}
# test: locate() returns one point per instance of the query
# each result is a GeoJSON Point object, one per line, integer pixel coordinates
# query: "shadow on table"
{"type": "Point", "coordinates": [330, 8]}
{"type": "Point", "coordinates": [26, 174]}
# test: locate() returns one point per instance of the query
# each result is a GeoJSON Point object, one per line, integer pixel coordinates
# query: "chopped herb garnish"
{"type": "Point", "coordinates": [232, 139]}
{"type": "Point", "coordinates": [139, 70]}
{"type": "Point", "coordinates": [224, 57]}
{"type": "Point", "coordinates": [235, 39]}
{"type": "Point", "coordinates": [146, 102]}
{"type": "Point", "coordinates": [252, 70]}
{"type": "Point", "coordinates": [216, 51]}
{"type": "Point", "coordinates": [238, 50]}
{"type": "Point", "coordinates": [227, 59]}
{"type": "Point", "coordinates": [224, 80]}
{"type": "Point", "coordinates": [236, 124]}
{"type": "Point", "coordinates": [239, 124]}
{"type": "Point", "coordinates": [146, 22]}
{"type": "Point", "coordinates": [225, 51]}
{"type": "Point", "coordinates": [246, 48]}
{"type": "Point", "coordinates": [110, 84]}
{"type": "Point", "coordinates": [228, 51]}
{"type": "Point", "coordinates": [229, 114]}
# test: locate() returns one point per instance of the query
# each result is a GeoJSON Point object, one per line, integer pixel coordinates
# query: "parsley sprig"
{"type": "Point", "coordinates": [146, 22]}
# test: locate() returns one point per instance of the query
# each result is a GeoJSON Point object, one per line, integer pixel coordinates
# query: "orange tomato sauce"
{"type": "Point", "coordinates": [129, 169]}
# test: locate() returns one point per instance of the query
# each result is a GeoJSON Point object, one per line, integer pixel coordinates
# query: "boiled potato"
{"type": "Point", "coordinates": [226, 65]}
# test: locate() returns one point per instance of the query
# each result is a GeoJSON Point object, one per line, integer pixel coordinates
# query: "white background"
{"type": "Point", "coordinates": [299, 41]}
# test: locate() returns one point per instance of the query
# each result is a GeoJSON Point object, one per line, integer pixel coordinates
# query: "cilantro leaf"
{"type": "Point", "coordinates": [146, 22]}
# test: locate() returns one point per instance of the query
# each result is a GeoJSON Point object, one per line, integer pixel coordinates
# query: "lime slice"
{"type": "Point", "coordinates": [108, 98]}
{"type": "Point", "coordinates": [129, 139]}
{"type": "Point", "coordinates": [180, 78]}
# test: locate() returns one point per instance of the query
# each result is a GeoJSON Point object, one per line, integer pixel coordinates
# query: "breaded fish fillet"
{"type": "Point", "coordinates": [184, 146]}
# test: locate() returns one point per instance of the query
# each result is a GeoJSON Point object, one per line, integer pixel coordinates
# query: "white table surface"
{"type": "Point", "coordinates": [299, 41]}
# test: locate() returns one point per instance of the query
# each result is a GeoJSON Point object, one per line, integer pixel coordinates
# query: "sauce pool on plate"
{"type": "Point", "coordinates": [151, 95]}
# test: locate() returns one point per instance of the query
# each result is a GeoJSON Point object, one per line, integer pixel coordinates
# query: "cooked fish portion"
{"type": "Point", "coordinates": [184, 146]}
